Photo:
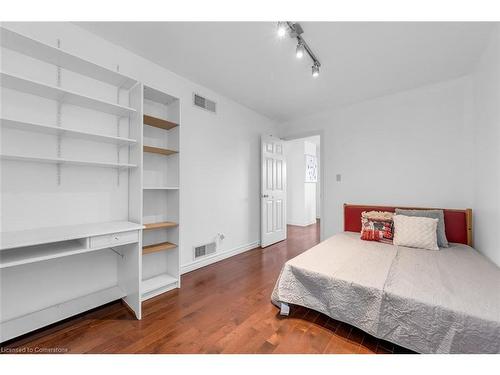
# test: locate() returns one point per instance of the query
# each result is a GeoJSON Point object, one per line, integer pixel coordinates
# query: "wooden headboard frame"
{"type": "Point", "coordinates": [458, 222]}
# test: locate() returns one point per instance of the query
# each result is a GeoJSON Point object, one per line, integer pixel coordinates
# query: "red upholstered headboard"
{"type": "Point", "coordinates": [458, 223]}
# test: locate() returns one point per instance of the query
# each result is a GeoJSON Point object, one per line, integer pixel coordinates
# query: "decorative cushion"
{"type": "Point", "coordinates": [435, 214]}
{"type": "Point", "coordinates": [376, 226]}
{"type": "Point", "coordinates": [415, 231]}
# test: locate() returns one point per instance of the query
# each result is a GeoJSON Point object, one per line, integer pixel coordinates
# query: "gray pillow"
{"type": "Point", "coordinates": [435, 214]}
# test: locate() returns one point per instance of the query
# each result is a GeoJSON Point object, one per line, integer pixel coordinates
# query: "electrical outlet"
{"type": "Point", "coordinates": [338, 177]}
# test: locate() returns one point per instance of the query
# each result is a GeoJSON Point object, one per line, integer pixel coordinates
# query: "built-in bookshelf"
{"type": "Point", "coordinates": [161, 141]}
{"type": "Point", "coordinates": [71, 160]}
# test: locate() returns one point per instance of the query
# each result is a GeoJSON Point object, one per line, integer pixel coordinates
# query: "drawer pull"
{"type": "Point", "coordinates": [114, 239]}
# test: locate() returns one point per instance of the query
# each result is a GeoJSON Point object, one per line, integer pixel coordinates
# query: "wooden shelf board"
{"type": "Point", "coordinates": [163, 246]}
{"type": "Point", "coordinates": [163, 224]}
{"type": "Point", "coordinates": [57, 56]}
{"type": "Point", "coordinates": [55, 130]}
{"type": "Point", "coordinates": [50, 160]}
{"type": "Point", "coordinates": [57, 93]}
{"type": "Point", "coordinates": [158, 150]}
{"type": "Point", "coordinates": [159, 123]}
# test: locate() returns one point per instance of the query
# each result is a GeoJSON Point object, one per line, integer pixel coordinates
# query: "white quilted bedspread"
{"type": "Point", "coordinates": [445, 301]}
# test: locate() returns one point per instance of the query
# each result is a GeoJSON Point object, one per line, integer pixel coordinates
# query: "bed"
{"type": "Point", "coordinates": [445, 301]}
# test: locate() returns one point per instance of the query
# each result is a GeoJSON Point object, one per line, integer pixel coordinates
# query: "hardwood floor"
{"type": "Point", "coordinates": [222, 308]}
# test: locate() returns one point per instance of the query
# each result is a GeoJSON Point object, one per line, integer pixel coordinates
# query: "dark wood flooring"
{"type": "Point", "coordinates": [222, 308]}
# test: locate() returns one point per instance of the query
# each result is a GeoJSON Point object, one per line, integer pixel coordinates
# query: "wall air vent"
{"type": "Point", "coordinates": [204, 103]}
{"type": "Point", "coordinates": [204, 250]}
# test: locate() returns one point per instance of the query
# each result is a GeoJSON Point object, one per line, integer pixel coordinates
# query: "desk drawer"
{"type": "Point", "coordinates": [114, 239]}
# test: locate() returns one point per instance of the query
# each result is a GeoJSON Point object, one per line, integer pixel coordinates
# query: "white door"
{"type": "Point", "coordinates": [273, 191]}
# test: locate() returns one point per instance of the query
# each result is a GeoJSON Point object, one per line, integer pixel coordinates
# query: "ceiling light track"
{"type": "Point", "coordinates": [294, 30]}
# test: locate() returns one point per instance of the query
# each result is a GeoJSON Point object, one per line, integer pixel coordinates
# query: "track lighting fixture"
{"type": "Point", "coordinates": [299, 52]}
{"type": "Point", "coordinates": [294, 30]}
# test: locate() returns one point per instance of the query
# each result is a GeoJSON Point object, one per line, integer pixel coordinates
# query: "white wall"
{"type": "Point", "coordinates": [294, 151]}
{"type": "Point", "coordinates": [219, 162]}
{"type": "Point", "coordinates": [410, 148]}
{"type": "Point", "coordinates": [486, 96]}
{"type": "Point", "coordinates": [301, 209]}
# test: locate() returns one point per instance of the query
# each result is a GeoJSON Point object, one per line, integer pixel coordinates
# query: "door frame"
{"type": "Point", "coordinates": [323, 191]}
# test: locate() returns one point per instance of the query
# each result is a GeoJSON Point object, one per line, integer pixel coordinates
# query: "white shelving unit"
{"type": "Point", "coordinates": [161, 136]}
{"type": "Point", "coordinates": [67, 245]}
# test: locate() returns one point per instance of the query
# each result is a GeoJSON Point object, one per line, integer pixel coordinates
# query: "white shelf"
{"type": "Point", "coordinates": [33, 254]}
{"type": "Point", "coordinates": [54, 130]}
{"type": "Point", "coordinates": [37, 319]}
{"type": "Point", "coordinates": [161, 188]}
{"type": "Point", "coordinates": [42, 159]}
{"type": "Point", "coordinates": [52, 55]}
{"type": "Point", "coordinates": [40, 236]}
{"type": "Point", "coordinates": [56, 93]}
{"type": "Point", "coordinates": [157, 285]}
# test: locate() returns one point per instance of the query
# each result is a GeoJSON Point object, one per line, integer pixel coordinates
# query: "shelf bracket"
{"type": "Point", "coordinates": [116, 252]}
{"type": "Point", "coordinates": [59, 119]}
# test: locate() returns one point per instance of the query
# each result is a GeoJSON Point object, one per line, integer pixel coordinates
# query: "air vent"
{"type": "Point", "coordinates": [204, 250]}
{"type": "Point", "coordinates": [204, 103]}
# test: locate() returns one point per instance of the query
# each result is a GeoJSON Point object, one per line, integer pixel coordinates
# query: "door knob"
{"type": "Point", "coordinates": [265, 196]}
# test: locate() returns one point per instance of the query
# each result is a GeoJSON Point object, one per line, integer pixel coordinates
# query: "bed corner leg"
{"type": "Point", "coordinates": [285, 309]}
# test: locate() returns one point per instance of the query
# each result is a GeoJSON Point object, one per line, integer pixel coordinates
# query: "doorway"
{"type": "Point", "coordinates": [304, 187]}
{"type": "Point", "coordinates": [291, 188]}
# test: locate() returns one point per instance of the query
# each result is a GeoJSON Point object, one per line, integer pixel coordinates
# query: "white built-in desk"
{"type": "Point", "coordinates": [38, 236]}
{"type": "Point", "coordinates": [18, 248]}
{"type": "Point", "coordinates": [36, 245]}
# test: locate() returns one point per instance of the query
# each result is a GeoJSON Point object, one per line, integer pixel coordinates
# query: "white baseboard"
{"type": "Point", "coordinates": [218, 257]}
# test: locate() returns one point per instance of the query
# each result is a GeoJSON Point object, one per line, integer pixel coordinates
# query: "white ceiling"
{"type": "Point", "coordinates": [246, 61]}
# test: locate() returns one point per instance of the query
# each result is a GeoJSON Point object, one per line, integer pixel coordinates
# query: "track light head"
{"type": "Point", "coordinates": [282, 29]}
{"type": "Point", "coordinates": [315, 70]}
{"type": "Point", "coordinates": [299, 52]}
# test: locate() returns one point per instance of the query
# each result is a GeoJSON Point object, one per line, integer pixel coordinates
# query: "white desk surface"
{"type": "Point", "coordinates": [38, 236]}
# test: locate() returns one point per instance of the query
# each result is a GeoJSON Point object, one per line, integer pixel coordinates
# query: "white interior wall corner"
{"type": "Point", "coordinates": [486, 138]}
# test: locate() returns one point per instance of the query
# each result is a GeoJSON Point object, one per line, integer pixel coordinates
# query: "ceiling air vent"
{"type": "Point", "coordinates": [204, 250]}
{"type": "Point", "coordinates": [204, 103]}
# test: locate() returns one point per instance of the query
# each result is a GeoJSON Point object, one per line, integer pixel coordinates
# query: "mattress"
{"type": "Point", "coordinates": [445, 301]}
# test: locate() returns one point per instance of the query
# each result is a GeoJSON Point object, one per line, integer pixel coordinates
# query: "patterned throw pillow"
{"type": "Point", "coordinates": [435, 214]}
{"type": "Point", "coordinates": [377, 226]}
{"type": "Point", "coordinates": [415, 231]}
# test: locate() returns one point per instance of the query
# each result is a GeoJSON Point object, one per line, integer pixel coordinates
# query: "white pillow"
{"type": "Point", "coordinates": [413, 231]}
